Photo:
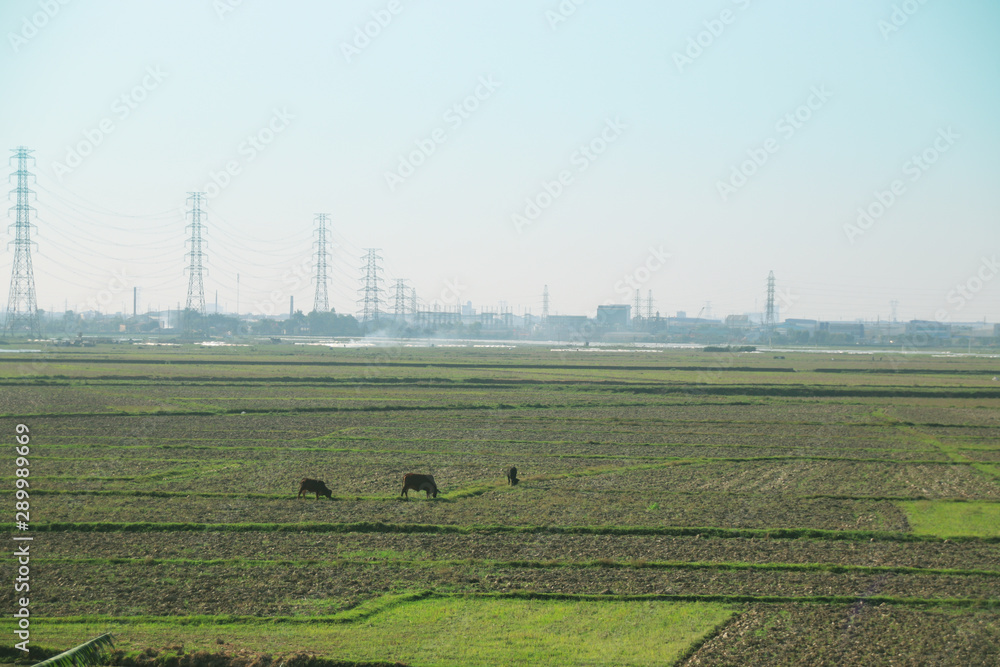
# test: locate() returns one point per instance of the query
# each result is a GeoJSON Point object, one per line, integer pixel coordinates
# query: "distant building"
{"type": "Point", "coordinates": [927, 332]}
{"type": "Point", "coordinates": [614, 315]}
{"type": "Point", "coordinates": [568, 322]}
{"type": "Point", "coordinates": [856, 329]}
{"type": "Point", "coordinates": [437, 318]}
{"type": "Point", "coordinates": [801, 325]}
{"type": "Point", "coordinates": [738, 321]}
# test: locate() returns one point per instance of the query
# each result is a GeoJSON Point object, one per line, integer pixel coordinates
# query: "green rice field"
{"type": "Point", "coordinates": [675, 506]}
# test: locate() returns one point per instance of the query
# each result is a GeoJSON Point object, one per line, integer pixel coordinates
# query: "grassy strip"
{"type": "Point", "coordinates": [812, 391]}
{"type": "Point", "coordinates": [422, 364]}
{"type": "Point", "coordinates": [267, 411]}
{"type": "Point", "coordinates": [188, 494]}
{"type": "Point", "coordinates": [344, 616]}
{"type": "Point", "coordinates": [989, 603]}
{"type": "Point", "coordinates": [168, 658]}
{"type": "Point", "coordinates": [442, 630]}
{"type": "Point", "coordinates": [602, 563]}
{"type": "Point", "coordinates": [908, 371]}
{"type": "Point", "coordinates": [379, 527]}
{"type": "Point", "coordinates": [948, 518]}
{"type": "Point", "coordinates": [535, 455]}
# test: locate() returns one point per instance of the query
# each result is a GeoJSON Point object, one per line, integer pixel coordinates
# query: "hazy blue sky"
{"type": "Point", "coordinates": [684, 148]}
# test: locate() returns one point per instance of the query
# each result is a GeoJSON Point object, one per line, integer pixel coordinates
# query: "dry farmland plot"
{"type": "Point", "coordinates": [836, 510]}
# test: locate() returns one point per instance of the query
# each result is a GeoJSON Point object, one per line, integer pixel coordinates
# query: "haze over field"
{"type": "Point", "coordinates": [490, 149]}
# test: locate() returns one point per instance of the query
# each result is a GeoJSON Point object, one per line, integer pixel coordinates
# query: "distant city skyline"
{"type": "Point", "coordinates": [488, 151]}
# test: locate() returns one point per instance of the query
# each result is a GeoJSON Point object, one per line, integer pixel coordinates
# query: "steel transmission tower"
{"type": "Point", "coordinates": [22, 308]}
{"type": "Point", "coordinates": [370, 288]}
{"type": "Point", "coordinates": [321, 303]}
{"type": "Point", "coordinates": [637, 306]}
{"type": "Point", "coordinates": [400, 306]}
{"type": "Point", "coordinates": [545, 304]}
{"type": "Point", "coordinates": [649, 304]}
{"type": "Point", "coordinates": [769, 315]}
{"type": "Point", "coordinates": [196, 269]}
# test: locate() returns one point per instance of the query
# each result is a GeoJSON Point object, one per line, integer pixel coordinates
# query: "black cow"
{"type": "Point", "coordinates": [512, 476]}
{"type": "Point", "coordinates": [412, 481]}
{"type": "Point", "coordinates": [314, 486]}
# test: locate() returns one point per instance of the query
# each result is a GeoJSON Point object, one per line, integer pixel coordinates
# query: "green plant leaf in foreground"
{"type": "Point", "coordinates": [86, 654]}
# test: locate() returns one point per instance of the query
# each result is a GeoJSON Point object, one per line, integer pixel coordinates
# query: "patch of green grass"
{"type": "Point", "coordinates": [449, 631]}
{"type": "Point", "coordinates": [953, 519]}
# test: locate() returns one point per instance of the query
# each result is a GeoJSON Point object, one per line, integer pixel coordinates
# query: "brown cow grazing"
{"type": "Point", "coordinates": [419, 483]}
{"type": "Point", "coordinates": [512, 476]}
{"type": "Point", "coordinates": [314, 486]}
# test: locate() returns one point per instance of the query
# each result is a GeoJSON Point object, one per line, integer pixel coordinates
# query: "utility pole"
{"type": "Point", "coordinates": [22, 307]}
{"type": "Point", "coordinates": [399, 309]}
{"type": "Point", "coordinates": [769, 317]}
{"type": "Point", "coordinates": [321, 303]}
{"type": "Point", "coordinates": [196, 283]}
{"type": "Point", "coordinates": [370, 289]}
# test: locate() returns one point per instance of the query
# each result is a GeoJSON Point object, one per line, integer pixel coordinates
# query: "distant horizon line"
{"type": "Point", "coordinates": [456, 310]}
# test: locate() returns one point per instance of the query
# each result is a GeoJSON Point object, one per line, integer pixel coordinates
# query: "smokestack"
{"type": "Point", "coordinates": [291, 306]}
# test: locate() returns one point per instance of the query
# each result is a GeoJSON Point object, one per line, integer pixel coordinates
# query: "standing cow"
{"type": "Point", "coordinates": [314, 486]}
{"type": "Point", "coordinates": [412, 481]}
{"type": "Point", "coordinates": [512, 476]}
